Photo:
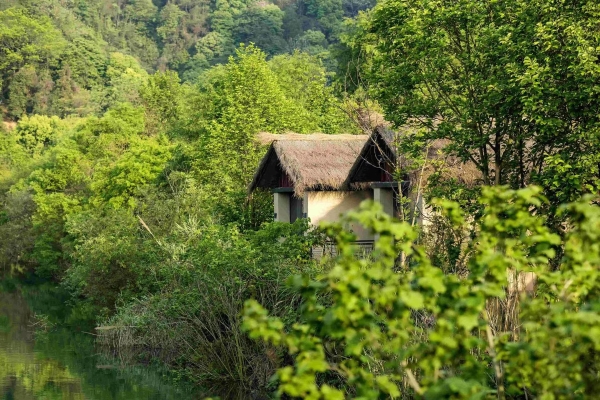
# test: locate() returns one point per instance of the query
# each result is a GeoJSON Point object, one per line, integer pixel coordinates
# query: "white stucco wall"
{"type": "Point", "coordinates": [328, 206]}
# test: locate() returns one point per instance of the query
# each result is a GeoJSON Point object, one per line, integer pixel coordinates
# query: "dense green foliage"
{"type": "Point", "coordinates": [80, 57]}
{"type": "Point", "coordinates": [128, 137]}
{"type": "Point", "coordinates": [141, 211]}
{"type": "Point", "coordinates": [371, 332]}
{"type": "Point", "coordinates": [171, 148]}
{"type": "Point", "coordinates": [512, 84]}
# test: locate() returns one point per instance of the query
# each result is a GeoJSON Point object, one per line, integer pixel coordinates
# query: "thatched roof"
{"type": "Point", "coordinates": [311, 162]}
{"type": "Point", "coordinates": [375, 153]}
{"type": "Point", "coordinates": [450, 167]}
{"type": "Point", "coordinates": [346, 162]}
{"type": "Point", "coordinates": [382, 147]}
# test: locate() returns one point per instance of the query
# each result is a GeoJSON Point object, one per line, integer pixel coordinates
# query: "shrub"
{"type": "Point", "coordinates": [382, 334]}
{"type": "Point", "coordinates": [194, 319]}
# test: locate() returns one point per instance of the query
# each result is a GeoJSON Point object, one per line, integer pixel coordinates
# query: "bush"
{"type": "Point", "coordinates": [420, 332]}
{"type": "Point", "coordinates": [193, 319]}
{"type": "Point", "coordinates": [16, 231]}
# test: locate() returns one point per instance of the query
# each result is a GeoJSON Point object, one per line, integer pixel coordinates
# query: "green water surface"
{"type": "Point", "coordinates": [59, 363]}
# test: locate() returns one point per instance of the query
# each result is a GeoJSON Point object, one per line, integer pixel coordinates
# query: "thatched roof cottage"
{"type": "Point", "coordinates": [308, 175]}
{"type": "Point", "coordinates": [323, 176]}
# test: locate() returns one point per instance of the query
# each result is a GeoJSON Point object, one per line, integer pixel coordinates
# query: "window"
{"type": "Point", "coordinates": [296, 208]}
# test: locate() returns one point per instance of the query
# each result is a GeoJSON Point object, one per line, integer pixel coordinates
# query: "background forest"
{"type": "Point", "coordinates": [131, 129]}
{"type": "Point", "coordinates": [68, 57]}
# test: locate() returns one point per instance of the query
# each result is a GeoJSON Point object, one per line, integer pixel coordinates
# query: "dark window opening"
{"type": "Point", "coordinates": [296, 206]}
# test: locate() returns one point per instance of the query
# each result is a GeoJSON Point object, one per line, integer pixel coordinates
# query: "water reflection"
{"type": "Point", "coordinates": [63, 365]}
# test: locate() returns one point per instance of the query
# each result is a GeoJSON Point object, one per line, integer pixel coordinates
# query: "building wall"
{"type": "Point", "coordinates": [329, 205]}
{"type": "Point", "coordinates": [424, 212]}
{"type": "Point", "coordinates": [281, 205]}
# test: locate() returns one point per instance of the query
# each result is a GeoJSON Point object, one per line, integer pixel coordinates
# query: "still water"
{"type": "Point", "coordinates": [62, 364]}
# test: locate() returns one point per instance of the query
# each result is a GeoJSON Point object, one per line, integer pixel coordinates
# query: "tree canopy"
{"type": "Point", "coordinates": [512, 84]}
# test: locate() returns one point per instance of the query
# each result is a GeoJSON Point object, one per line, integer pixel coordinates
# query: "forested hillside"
{"type": "Point", "coordinates": [131, 130]}
{"type": "Point", "coordinates": [80, 57]}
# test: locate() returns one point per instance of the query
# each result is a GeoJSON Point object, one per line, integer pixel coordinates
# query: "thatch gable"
{"type": "Point", "coordinates": [381, 149]}
{"type": "Point", "coordinates": [370, 165]}
{"type": "Point", "coordinates": [311, 162]}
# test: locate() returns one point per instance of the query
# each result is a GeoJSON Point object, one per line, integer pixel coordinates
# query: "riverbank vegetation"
{"type": "Point", "coordinates": [42, 357]}
{"type": "Point", "coordinates": [131, 131]}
